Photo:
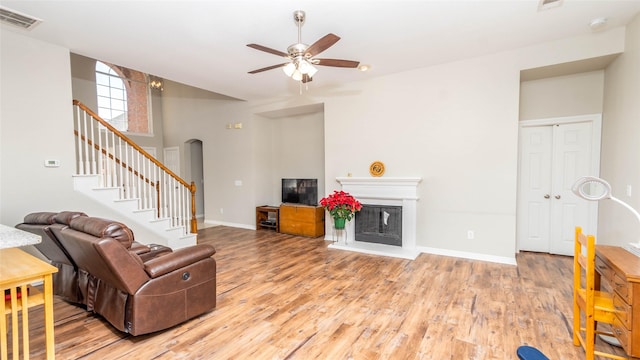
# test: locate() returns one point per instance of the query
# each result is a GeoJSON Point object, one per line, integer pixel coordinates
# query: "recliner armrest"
{"type": "Point", "coordinates": [177, 259]}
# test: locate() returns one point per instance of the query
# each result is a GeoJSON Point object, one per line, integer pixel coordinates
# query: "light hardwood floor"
{"type": "Point", "coordinates": [288, 297]}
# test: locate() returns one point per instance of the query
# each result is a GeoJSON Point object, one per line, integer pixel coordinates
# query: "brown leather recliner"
{"type": "Point", "coordinates": [138, 296]}
{"type": "Point", "coordinates": [65, 281]}
{"type": "Point", "coordinates": [69, 282]}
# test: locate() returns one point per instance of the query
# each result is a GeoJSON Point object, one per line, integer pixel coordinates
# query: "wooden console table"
{"type": "Point", "coordinates": [19, 269]}
{"type": "Point", "coordinates": [621, 270]}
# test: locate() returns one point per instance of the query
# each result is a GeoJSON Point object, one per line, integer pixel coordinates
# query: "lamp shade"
{"type": "Point", "coordinates": [297, 75]}
{"type": "Point", "coordinates": [289, 69]}
{"type": "Point", "coordinates": [312, 70]}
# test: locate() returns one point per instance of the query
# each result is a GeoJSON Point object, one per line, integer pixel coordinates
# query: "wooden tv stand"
{"type": "Point", "coordinates": [302, 220]}
{"type": "Point", "coordinates": [262, 215]}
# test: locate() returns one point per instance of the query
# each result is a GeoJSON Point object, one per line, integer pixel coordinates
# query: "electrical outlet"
{"type": "Point", "coordinates": [629, 190]}
{"type": "Point", "coordinates": [221, 211]}
{"type": "Point", "coordinates": [470, 235]}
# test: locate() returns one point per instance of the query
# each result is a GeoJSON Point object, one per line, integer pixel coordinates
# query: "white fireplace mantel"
{"type": "Point", "coordinates": [401, 191]}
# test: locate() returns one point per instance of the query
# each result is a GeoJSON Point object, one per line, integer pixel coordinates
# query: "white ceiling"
{"type": "Point", "coordinates": [203, 43]}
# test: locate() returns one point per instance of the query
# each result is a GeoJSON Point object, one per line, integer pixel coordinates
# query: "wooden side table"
{"type": "Point", "coordinates": [262, 215]}
{"type": "Point", "coordinates": [17, 270]}
{"type": "Point", "coordinates": [621, 270]}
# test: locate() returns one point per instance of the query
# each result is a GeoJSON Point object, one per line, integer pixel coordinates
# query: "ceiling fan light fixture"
{"type": "Point", "coordinates": [297, 75]}
{"type": "Point", "coordinates": [305, 67]}
{"type": "Point", "coordinates": [312, 70]}
{"type": "Point", "coordinates": [289, 69]}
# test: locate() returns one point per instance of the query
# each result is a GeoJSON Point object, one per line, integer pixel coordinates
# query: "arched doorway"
{"type": "Point", "coordinates": [195, 171]}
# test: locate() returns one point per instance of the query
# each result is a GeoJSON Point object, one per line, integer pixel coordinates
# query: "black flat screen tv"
{"type": "Point", "coordinates": [300, 191]}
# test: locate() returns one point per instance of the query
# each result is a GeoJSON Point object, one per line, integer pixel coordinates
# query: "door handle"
{"type": "Point", "coordinates": [557, 196]}
{"type": "Point", "coordinates": [546, 196]}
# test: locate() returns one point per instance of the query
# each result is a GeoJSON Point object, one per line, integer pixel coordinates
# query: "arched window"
{"type": "Point", "coordinates": [123, 98]}
{"type": "Point", "coordinates": [112, 96]}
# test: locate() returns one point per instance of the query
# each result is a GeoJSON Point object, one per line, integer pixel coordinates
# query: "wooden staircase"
{"type": "Point", "coordinates": [119, 174]}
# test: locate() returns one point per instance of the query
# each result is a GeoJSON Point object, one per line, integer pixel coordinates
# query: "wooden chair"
{"type": "Point", "coordinates": [597, 306]}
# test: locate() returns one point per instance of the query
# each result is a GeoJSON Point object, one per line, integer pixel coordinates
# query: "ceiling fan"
{"type": "Point", "coordinates": [302, 60]}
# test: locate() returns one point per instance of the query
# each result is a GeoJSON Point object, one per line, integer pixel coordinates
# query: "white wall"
{"type": "Point", "coordinates": [228, 154]}
{"type": "Point", "coordinates": [36, 122]}
{"type": "Point", "coordinates": [298, 150]}
{"type": "Point", "coordinates": [259, 155]}
{"type": "Point", "coordinates": [453, 125]}
{"type": "Point", "coordinates": [560, 96]}
{"type": "Point", "coordinates": [620, 164]}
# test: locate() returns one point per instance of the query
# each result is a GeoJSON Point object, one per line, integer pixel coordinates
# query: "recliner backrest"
{"type": "Point", "coordinates": [99, 246]}
{"type": "Point", "coordinates": [38, 223]}
{"type": "Point", "coordinates": [102, 228]}
{"type": "Point", "coordinates": [65, 217]}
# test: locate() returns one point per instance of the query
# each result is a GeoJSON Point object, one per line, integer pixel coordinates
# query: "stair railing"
{"type": "Point", "coordinates": [120, 163]}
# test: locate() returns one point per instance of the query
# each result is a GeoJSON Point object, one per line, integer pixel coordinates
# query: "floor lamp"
{"type": "Point", "coordinates": [594, 189]}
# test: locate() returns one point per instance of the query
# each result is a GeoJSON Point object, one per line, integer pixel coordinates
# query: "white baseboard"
{"type": "Point", "coordinates": [422, 249]}
{"type": "Point", "coordinates": [230, 224]}
{"type": "Point", "coordinates": [469, 255]}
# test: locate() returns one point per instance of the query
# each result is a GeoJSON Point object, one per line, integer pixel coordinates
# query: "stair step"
{"type": "Point", "coordinates": [128, 204]}
{"type": "Point", "coordinates": [163, 232]}
{"type": "Point", "coordinates": [184, 241]}
{"type": "Point", "coordinates": [149, 214]}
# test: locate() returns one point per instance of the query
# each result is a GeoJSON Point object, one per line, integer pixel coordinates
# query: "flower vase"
{"type": "Point", "coordinates": [338, 223]}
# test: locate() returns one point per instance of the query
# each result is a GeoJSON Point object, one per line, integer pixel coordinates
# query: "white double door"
{"type": "Point", "coordinates": [554, 153]}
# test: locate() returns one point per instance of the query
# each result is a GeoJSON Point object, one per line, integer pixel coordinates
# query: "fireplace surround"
{"type": "Point", "coordinates": [384, 191]}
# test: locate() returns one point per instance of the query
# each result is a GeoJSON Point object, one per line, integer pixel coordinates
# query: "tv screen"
{"type": "Point", "coordinates": [300, 191]}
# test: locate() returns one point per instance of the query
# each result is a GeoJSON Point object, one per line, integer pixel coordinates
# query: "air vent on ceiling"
{"type": "Point", "coordinates": [548, 4]}
{"type": "Point", "coordinates": [12, 17]}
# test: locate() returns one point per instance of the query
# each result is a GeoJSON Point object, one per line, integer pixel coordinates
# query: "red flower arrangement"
{"type": "Point", "coordinates": [341, 205]}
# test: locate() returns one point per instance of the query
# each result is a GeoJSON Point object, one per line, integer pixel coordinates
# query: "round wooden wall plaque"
{"type": "Point", "coordinates": [376, 168]}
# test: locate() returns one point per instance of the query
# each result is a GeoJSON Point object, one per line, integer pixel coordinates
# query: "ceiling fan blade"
{"type": "Point", "coordinates": [306, 78]}
{"type": "Point", "coordinates": [267, 68]}
{"type": "Point", "coordinates": [337, 63]}
{"type": "Point", "coordinates": [269, 50]}
{"type": "Point", "coordinates": [321, 45]}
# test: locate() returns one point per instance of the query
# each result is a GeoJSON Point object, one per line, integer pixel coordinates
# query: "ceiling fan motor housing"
{"type": "Point", "coordinates": [296, 50]}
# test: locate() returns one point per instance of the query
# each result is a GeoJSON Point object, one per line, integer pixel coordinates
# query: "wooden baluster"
{"type": "Point", "coordinates": [194, 221]}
